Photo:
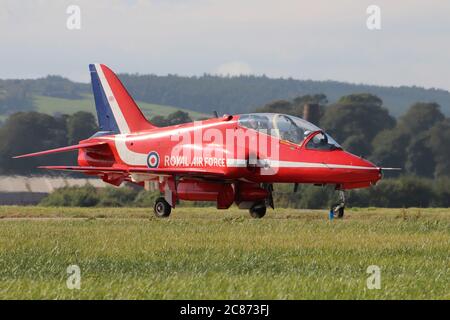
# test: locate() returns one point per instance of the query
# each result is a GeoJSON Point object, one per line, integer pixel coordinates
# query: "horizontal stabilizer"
{"type": "Point", "coordinates": [63, 149]}
{"type": "Point", "coordinates": [84, 169]}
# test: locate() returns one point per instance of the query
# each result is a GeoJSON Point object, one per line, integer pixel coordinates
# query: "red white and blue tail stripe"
{"type": "Point", "coordinates": [116, 110]}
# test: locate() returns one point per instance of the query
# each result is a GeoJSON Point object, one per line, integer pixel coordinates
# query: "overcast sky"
{"type": "Point", "coordinates": [316, 39]}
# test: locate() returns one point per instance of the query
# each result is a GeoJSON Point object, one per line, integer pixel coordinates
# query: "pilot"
{"type": "Point", "coordinates": [252, 123]}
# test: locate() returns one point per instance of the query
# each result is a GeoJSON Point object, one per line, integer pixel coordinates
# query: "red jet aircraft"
{"type": "Point", "coordinates": [230, 159]}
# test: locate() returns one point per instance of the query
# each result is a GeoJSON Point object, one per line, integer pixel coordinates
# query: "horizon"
{"type": "Point", "coordinates": [237, 76]}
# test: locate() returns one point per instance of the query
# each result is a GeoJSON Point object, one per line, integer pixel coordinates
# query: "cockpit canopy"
{"type": "Point", "coordinates": [288, 128]}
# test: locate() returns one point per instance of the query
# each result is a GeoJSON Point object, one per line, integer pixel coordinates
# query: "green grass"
{"type": "Point", "coordinates": [203, 253]}
{"type": "Point", "coordinates": [52, 105]}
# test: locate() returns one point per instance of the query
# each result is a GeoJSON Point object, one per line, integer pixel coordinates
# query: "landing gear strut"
{"type": "Point", "coordinates": [338, 208]}
{"type": "Point", "coordinates": [162, 208]}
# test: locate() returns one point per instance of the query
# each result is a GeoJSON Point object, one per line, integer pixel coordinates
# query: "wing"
{"type": "Point", "coordinates": [63, 149]}
{"type": "Point", "coordinates": [127, 171]}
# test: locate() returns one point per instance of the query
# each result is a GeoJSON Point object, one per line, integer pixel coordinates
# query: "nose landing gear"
{"type": "Point", "coordinates": [337, 209]}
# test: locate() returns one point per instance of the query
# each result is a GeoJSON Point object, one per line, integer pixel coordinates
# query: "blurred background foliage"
{"type": "Point", "coordinates": [403, 192]}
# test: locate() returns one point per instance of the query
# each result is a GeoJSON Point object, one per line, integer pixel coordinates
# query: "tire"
{"type": "Point", "coordinates": [162, 208]}
{"type": "Point", "coordinates": [258, 211]}
{"type": "Point", "coordinates": [340, 213]}
{"type": "Point", "coordinates": [338, 210]}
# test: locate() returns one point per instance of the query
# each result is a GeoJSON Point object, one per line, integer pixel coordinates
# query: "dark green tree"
{"type": "Point", "coordinates": [441, 190]}
{"type": "Point", "coordinates": [81, 125]}
{"type": "Point", "coordinates": [359, 115]}
{"type": "Point", "coordinates": [159, 121]}
{"type": "Point", "coordinates": [408, 145]}
{"type": "Point", "coordinates": [26, 132]}
{"type": "Point", "coordinates": [420, 117]}
{"type": "Point", "coordinates": [319, 99]}
{"type": "Point", "coordinates": [357, 145]}
{"type": "Point", "coordinates": [407, 191]}
{"type": "Point", "coordinates": [389, 148]}
{"type": "Point", "coordinates": [278, 106]}
{"type": "Point", "coordinates": [177, 117]}
{"type": "Point", "coordinates": [440, 146]}
{"type": "Point", "coordinates": [419, 159]}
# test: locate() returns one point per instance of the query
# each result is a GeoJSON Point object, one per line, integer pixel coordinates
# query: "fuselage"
{"type": "Point", "coordinates": [233, 159]}
{"type": "Point", "coordinates": [229, 147]}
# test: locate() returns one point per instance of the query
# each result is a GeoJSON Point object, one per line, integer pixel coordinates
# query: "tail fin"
{"type": "Point", "coordinates": [116, 110]}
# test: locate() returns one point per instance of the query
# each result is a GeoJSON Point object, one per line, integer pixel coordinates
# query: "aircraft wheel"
{"type": "Point", "coordinates": [338, 210]}
{"type": "Point", "coordinates": [162, 208]}
{"type": "Point", "coordinates": [258, 211]}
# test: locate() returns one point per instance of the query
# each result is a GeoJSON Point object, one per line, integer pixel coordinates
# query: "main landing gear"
{"type": "Point", "coordinates": [337, 209]}
{"type": "Point", "coordinates": [162, 208]}
{"type": "Point", "coordinates": [258, 210]}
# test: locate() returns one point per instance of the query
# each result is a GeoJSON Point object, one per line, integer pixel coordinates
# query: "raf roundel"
{"type": "Point", "coordinates": [153, 159]}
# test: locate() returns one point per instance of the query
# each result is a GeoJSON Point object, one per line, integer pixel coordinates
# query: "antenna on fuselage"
{"type": "Point", "coordinates": [216, 115]}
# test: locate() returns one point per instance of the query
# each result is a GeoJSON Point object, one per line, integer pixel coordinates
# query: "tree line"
{"type": "Point", "coordinates": [208, 92]}
{"type": "Point", "coordinates": [407, 191]}
{"type": "Point", "coordinates": [242, 94]}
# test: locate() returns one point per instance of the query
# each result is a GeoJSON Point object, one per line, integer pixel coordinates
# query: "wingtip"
{"type": "Point", "coordinates": [19, 157]}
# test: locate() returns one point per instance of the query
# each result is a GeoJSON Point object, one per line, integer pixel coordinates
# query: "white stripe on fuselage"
{"type": "Point", "coordinates": [120, 119]}
{"type": "Point", "coordinates": [132, 158]}
{"type": "Point", "coordinates": [129, 157]}
{"type": "Point", "coordinates": [234, 163]}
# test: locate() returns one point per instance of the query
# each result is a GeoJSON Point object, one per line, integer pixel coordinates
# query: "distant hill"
{"type": "Point", "coordinates": [164, 94]}
{"type": "Point", "coordinates": [52, 106]}
{"type": "Point", "coordinates": [245, 93]}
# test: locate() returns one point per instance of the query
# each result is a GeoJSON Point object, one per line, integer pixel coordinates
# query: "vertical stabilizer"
{"type": "Point", "coordinates": [116, 110]}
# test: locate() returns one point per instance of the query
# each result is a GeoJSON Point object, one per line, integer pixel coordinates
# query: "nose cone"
{"type": "Point", "coordinates": [362, 173]}
{"type": "Point", "coordinates": [360, 161]}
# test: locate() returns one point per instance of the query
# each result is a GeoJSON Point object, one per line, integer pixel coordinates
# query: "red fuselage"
{"type": "Point", "coordinates": [195, 146]}
{"type": "Point", "coordinates": [233, 159]}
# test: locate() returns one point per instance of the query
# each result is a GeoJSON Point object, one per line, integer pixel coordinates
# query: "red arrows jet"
{"type": "Point", "coordinates": [230, 159]}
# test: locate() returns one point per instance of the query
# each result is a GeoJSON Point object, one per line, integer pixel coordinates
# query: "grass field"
{"type": "Point", "coordinates": [209, 254]}
{"type": "Point", "coordinates": [52, 105]}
